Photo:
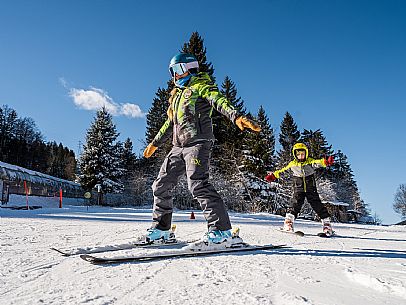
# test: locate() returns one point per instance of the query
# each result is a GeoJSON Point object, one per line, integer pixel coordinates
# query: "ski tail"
{"type": "Point", "coordinates": [141, 242]}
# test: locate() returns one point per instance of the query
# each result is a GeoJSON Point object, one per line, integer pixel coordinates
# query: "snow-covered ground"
{"type": "Point", "coordinates": [363, 265]}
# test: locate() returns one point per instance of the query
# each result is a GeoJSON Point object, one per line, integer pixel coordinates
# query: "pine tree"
{"type": "Point", "coordinates": [8, 120]}
{"type": "Point", "coordinates": [288, 136]}
{"type": "Point", "coordinates": [341, 174]}
{"type": "Point", "coordinates": [70, 164]}
{"type": "Point", "coordinates": [157, 114]}
{"type": "Point", "coordinates": [61, 161]}
{"type": "Point", "coordinates": [260, 147]}
{"type": "Point", "coordinates": [38, 156]}
{"type": "Point", "coordinates": [100, 161]}
{"type": "Point", "coordinates": [258, 157]}
{"type": "Point", "coordinates": [316, 144]}
{"type": "Point", "coordinates": [359, 204]}
{"type": "Point", "coordinates": [196, 47]}
{"type": "Point", "coordinates": [228, 136]}
{"type": "Point", "coordinates": [128, 159]}
{"type": "Point", "coordinates": [224, 130]}
{"type": "Point", "coordinates": [156, 117]}
{"type": "Point", "coordinates": [340, 168]}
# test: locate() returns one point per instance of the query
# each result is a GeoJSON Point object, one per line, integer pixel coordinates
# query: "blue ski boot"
{"type": "Point", "coordinates": [218, 239]}
{"type": "Point", "coordinates": [227, 237]}
{"type": "Point", "coordinates": [155, 235]}
{"type": "Point", "coordinates": [218, 236]}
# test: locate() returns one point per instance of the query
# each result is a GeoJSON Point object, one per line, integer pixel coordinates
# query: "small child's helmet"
{"type": "Point", "coordinates": [299, 146]}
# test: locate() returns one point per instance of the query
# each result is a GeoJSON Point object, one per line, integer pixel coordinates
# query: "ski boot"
{"type": "Point", "coordinates": [155, 235]}
{"type": "Point", "coordinates": [218, 239]}
{"type": "Point", "coordinates": [217, 236]}
{"type": "Point", "coordinates": [327, 229]}
{"type": "Point", "coordinates": [288, 223]}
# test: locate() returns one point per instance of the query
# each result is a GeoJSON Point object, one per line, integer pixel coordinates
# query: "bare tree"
{"type": "Point", "coordinates": [400, 200]}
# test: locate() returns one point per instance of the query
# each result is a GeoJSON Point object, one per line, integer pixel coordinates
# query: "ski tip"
{"type": "Point", "coordinates": [88, 258]}
{"type": "Point", "coordinates": [300, 233]}
{"type": "Point", "coordinates": [95, 260]}
{"type": "Point", "coordinates": [324, 235]}
{"type": "Point", "coordinates": [61, 252]}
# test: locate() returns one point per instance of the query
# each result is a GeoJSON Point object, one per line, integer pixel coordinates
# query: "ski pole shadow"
{"type": "Point", "coordinates": [362, 253]}
{"type": "Point", "coordinates": [369, 238]}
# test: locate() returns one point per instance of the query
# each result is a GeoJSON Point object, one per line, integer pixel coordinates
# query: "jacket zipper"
{"type": "Point", "coordinates": [304, 178]}
{"type": "Point", "coordinates": [175, 108]}
{"type": "Point", "coordinates": [175, 117]}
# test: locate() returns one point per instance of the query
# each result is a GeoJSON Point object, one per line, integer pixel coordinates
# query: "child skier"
{"type": "Point", "coordinates": [189, 122]}
{"type": "Point", "coordinates": [304, 186]}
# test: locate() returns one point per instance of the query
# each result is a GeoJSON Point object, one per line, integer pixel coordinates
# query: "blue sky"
{"type": "Point", "coordinates": [335, 65]}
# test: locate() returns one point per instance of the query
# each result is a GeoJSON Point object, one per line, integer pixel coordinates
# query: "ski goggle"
{"type": "Point", "coordinates": [181, 68]}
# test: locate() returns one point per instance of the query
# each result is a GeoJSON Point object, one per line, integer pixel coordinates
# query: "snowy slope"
{"type": "Point", "coordinates": [364, 265]}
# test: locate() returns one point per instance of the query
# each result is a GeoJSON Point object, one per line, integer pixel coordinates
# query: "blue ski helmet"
{"type": "Point", "coordinates": [183, 62]}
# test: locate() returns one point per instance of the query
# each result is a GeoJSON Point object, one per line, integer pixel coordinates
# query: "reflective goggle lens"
{"type": "Point", "coordinates": [178, 69]}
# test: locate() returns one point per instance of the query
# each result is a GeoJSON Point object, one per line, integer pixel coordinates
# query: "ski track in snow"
{"type": "Point", "coordinates": [362, 265]}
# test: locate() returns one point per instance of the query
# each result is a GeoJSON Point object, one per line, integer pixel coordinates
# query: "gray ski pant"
{"type": "Point", "coordinates": [194, 160]}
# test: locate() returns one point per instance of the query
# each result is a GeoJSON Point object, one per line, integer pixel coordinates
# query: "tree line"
{"type": "Point", "coordinates": [240, 159]}
{"type": "Point", "coordinates": [22, 144]}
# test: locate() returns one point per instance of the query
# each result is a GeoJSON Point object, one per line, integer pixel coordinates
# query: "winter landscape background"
{"type": "Point", "coordinates": [337, 66]}
{"type": "Point", "coordinates": [84, 87]}
{"type": "Point", "coordinates": [362, 265]}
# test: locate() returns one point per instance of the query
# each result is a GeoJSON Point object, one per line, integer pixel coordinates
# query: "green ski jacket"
{"type": "Point", "coordinates": [189, 114]}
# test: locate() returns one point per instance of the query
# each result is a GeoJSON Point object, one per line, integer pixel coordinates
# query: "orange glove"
{"type": "Point", "coordinates": [243, 122]}
{"type": "Point", "coordinates": [149, 150]}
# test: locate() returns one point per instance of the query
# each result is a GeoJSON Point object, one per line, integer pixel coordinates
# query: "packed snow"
{"type": "Point", "coordinates": [363, 264]}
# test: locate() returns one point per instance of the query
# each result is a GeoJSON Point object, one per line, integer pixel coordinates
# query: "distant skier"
{"type": "Point", "coordinates": [304, 186]}
{"type": "Point", "coordinates": [189, 122]}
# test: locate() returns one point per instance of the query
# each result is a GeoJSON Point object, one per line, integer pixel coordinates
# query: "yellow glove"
{"type": "Point", "coordinates": [243, 122]}
{"type": "Point", "coordinates": [149, 150]}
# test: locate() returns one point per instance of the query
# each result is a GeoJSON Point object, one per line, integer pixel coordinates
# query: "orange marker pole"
{"type": "Point", "coordinates": [26, 192]}
{"type": "Point", "coordinates": [60, 198]}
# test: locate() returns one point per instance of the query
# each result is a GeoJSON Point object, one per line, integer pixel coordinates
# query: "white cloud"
{"type": "Point", "coordinates": [131, 110]}
{"type": "Point", "coordinates": [95, 99]}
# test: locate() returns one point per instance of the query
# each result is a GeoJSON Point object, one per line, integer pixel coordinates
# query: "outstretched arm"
{"type": "Point", "coordinates": [223, 105]}
{"type": "Point", "coordinates": [218, 101]}
{"type": "Point", "coordinates": [322, 162]}
{"type": "Point", "coordinates": [284, 169]}
{"type": "Point", "coordinates": [163, 134]}
{"type": "Point", "coordinates": [276, 174]}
